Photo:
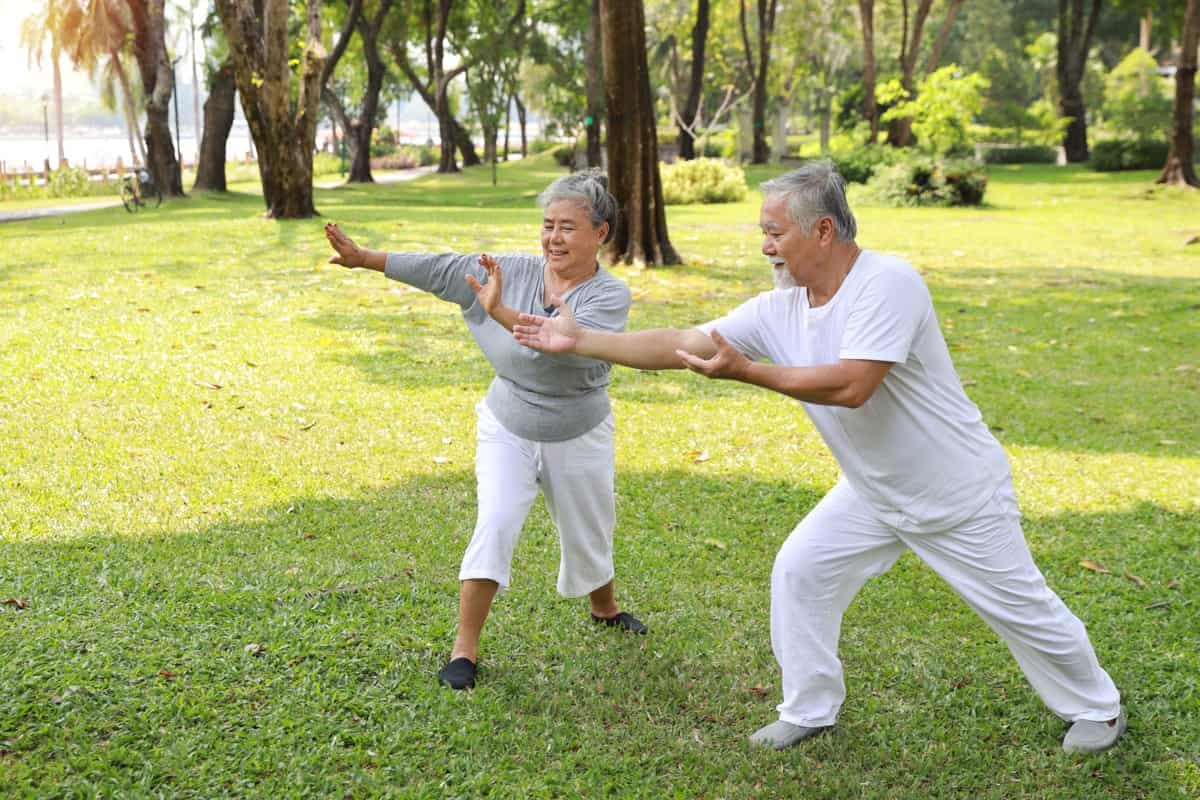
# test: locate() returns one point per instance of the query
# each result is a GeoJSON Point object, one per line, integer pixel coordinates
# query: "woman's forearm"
{"type": "Point", "coordinates": [371, 259]}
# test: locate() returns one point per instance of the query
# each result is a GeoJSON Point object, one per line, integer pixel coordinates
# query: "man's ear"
{"type": "Point", "coordinates": [827, 230]}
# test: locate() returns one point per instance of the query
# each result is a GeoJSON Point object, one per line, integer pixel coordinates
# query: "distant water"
{"type": "Point", "coordinates": [99, 148]}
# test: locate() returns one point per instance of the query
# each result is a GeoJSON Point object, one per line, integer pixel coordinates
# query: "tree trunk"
{"type": "Point", "coordinates": [900, 130]}
{"type": "Point", "coordinates": [758, 68]}
{"type": "Point", "coordinates": [149, 44]}
{"type": "Point", "coordinates": [195, 85]}
{"type": "Point", "coordinates": [641, 234]}
{"type": "Point", "coordinates": [866, 20]}
{"type": "Point", "coordinates": [150, 48]}
{"type": "Point", "coordinates": [687, 143]}
{"type": "Point", "coordinates": [521, 122]}
{"type": "Point", "coordinates": [219, 111]}
{"type": "Point", "coordinates": [1075, 31]}
{"type": "Point", "coordinates": [1180, 168]}
{"type": "Point", "coordinates": [284, 133]}
{"type": "Point", "coordinates": [593, 67]}
{"type": "Point", "coordinates": [1144, 27]}
{"type": "Point", "coordinates": [137, 150]}
{"type": "Point", "coordinates": [58, 108]}
{"type": "Point", "coordinates": [445, 130]}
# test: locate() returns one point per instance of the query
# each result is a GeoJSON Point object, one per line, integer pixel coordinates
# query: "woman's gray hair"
{"type": "Point", "coordinates": [812, 191]}
{"type": "Point", "coordinates": [588, 188]}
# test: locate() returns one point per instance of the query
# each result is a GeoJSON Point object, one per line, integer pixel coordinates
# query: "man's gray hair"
{"type": "Point", "coordinates": [589, 188]}
{"type": "Point", "coordinates": [812, 191]}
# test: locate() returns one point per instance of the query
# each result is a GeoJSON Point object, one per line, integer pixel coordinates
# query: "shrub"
{"type": "Point", "coordinates": [541, 146]}
{"type": "Point", "coordinates": [858, 165]}
{"type": "Point", "coordinates": [1121, 154]}
{"type": "Point", "coordinates": [1136, 101]}
{"type": "Point", "coordinates": [926, 181]}
{"type": "Point", "coordinates": [397, 160]}
{"type": "Point", "coordinates": [564, 155]}
{"type": "Point", "coordinates": [702, 180]}
{"type": "Point", "coordinates": [327, 164]}
{"type": "Point", "coordinates": [941, 114]}
{"type": "Point", "coordinates": [1020, 154]}
{"type": "Point", "coordinates": [68, 182]}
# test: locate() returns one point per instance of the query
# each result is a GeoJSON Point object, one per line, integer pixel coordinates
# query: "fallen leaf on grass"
{"type": "Point", "coordinates": [1094, 567]}
{"type": "Point", "coordinates": [717, 543]}
{"type": "Point", "coordinates": [1141, 584]}
{"type": "Point", "coordinates": [699, 456]}
{"type": "Point", "coordinates": [1024, 373]}
{"type": "Point", "coordinates": [18, 602]}
{"type": "Point", "coordinates": [1172, 584]}
{"type": "Point", "coordinates": [207, 385]}
{"type": "Point", "coordinates": [309, 426]}
{"type": "Point", "coordinates": [167, 675]}
{"type": "Point", "coordinates": [759, 691]}
{"type": "Point", "coordinates": [1159, 604]}
{"type": "Point", "coordinates": [254, 649]}
{"type": "Point", "coordinates": [441, 460]}
{"type": "Point", "coordinates": [292, 571]}
{"type": "Point", "coordinates": [963, 681]}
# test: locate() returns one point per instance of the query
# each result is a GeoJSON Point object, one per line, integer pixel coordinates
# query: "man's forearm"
{"type": "Point", "coordinates": [847, 384]}
{"type": "Point", "coordinates": [648, 349]}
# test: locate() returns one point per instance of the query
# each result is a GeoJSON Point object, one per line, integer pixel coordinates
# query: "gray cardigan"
{"type": "Point", "coordinates": [544, 397]}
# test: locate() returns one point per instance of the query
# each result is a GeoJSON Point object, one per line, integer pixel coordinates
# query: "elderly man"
{"type": "Point", "coordinates": [852, 335]}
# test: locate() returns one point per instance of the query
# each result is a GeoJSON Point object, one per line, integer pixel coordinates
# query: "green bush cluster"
{"type": "Point", "coordinates": [1121, 154]}
{"type": "Point", "coordinates": [860, 164]}
{"type": "Point", "coordinates": [702, 180]}
{"type": "Point", "coordinates": [406, 156]}
{"type": "Point", "coordinates": [928, 181]}
{"type": "Point", "coordinates": [1020, 154]}
{"type": "Point", "coordinates": [564, 155]}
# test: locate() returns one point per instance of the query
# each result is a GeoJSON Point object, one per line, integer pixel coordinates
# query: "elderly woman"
{"type": "Point", "coordinates": [546, 419]}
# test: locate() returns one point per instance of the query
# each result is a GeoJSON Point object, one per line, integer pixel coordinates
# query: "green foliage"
{"type": "Point", "coordinates": [946, 103]}
{"type": "Point", "coordinates": [860, 164]}
{"type": "Point", "coordinates": [928, 181]}
{"type": "Point", "coordinates": [1136, 101]}
{"type": "Point", "coordinates": [564, 155]}
{"type": "Point", "coordinates": [64, 182]}
{"type": "Point", "coordinates": [1114, 155]}
{"type": "Point", "coordinates": [326, 164]}
{"type": "Point", "coordinates": [1020, 154]}
{"type": "Point", "coordinates": [1049, 125]}
{"type": "Point", "coordinates": [702, 180]}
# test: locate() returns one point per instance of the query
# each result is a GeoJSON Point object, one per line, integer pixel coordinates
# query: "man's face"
{"type": "Point", "coordinates": [794, 255]}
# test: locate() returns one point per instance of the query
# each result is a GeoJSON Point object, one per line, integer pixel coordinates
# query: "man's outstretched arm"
{"type": "Point", "coordinates": [657, 348]}
{"type": "Point", "coordinates": [848, 383]}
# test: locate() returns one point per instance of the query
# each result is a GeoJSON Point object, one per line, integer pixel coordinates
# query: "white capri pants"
{"type": "Point", "coordinates": [576, 477]}
{"type": "Point", "coordinates": [840, 544]}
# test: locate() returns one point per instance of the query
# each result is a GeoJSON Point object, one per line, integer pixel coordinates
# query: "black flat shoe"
{"type": "Point", "coordinates": [458, 674]}
{"type": "Point", "coordinates": [625, 621]}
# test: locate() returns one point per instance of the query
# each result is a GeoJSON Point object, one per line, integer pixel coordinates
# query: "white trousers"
{"type": "Point", "coordinates": [576, 477]}
{"type": "Point", "coordinates": [840, 544]}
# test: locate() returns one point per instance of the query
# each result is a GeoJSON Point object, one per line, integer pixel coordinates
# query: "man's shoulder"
{"type": "Point", "coordinates": [886, 270]}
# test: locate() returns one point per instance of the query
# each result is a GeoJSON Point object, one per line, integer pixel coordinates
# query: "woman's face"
{"type": "Point", "coordinates": [569, 241]}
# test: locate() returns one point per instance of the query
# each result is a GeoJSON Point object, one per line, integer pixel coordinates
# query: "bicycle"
{"type": "Point", "coordinates": [137, 190]}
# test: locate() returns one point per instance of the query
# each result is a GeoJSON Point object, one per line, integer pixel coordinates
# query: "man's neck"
{"type": "Point", "coordinates": [841, 261]}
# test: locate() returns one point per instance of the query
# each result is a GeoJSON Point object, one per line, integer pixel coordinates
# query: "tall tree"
{"type": "Point", "coordinates": [688, 118]}
{"type": "Point", "coordinates": [758, 65]}
{"type": "Point", "coordinates": [284, 130]}
{"type": "Point", "coordinates": [99, 43]}
{"type": "Point", "coordinates": [51, 23]}
{"type": "Point", "coordinates": [866, 20]}
{"type": "Point", "coordinates": [912, 31]}
{"type": "Point", "coordinates": [593, 71]}
{"type": "Point", "coordinates": [1076, 27]}
{"type": "Point", "coordinates": [360, 127]}
{"type": "Point", "coordinates": [1180, 167]}
{"type": "Point", "coordinates": [435, 25]}
{"type": "Point", "coordinates": [150, 49]}
{"type": "Point", "coordinates": [632, 137]}
{"type": "Point", "coordinates": [492, 79]}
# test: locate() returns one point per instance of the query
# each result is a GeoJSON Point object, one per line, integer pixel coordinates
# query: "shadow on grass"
{"type": "Point", "coordinates": [296, 649]}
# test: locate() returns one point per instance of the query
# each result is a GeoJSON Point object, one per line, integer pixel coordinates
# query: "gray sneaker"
{"type": "Point", "coordinates": [782, 734]}
{"type": "Point", "coordinates": [1086, 736]}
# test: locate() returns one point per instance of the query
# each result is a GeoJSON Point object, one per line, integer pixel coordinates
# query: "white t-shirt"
{"type": "Point", "coordinates": [917, 451]}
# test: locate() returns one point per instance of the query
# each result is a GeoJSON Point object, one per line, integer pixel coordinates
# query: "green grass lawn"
{"type": "Point", "coordinates": [235, 485]}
